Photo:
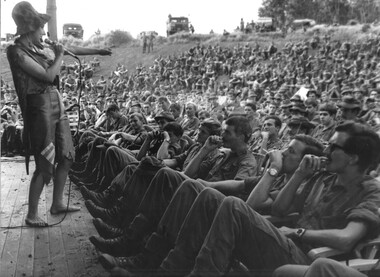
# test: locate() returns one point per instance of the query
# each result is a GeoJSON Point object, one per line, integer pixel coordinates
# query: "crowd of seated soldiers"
{"type": "Point", "coordinates": [177, 151]}
{"type": "Point", "coordinates": [178, 161]}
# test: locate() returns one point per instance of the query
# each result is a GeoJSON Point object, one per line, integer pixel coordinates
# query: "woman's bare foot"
{"type": "Point", "coordinates": [63, 209]}
{"type": "Point", "coordinates": [35, 221]}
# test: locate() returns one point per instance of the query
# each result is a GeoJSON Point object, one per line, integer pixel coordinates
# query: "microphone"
{"type": "Point", "coordinates": [66, 52]}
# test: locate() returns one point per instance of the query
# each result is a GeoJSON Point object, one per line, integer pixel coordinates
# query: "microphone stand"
{"type": "Point", "coordinates": [79, 86]}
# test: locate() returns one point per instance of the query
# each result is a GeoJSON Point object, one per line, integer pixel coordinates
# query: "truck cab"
{"type": "Point", "coordinates": [73, 29]}
{"type": "Point", "coordinates": [303, 23]}
{"type": "Point", "coordinates": [265, 24]}
{"type": "Point", "coordinates": [177, 24]}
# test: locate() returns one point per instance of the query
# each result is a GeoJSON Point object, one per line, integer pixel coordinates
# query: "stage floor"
{"type": "Point", "coordinates": [61, 250]}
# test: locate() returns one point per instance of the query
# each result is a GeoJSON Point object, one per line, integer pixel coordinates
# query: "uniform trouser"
{"type": "Point", "coordinates": [115, 160]}
{"type": "Point", "coordinates": [129, 186]}
{"type": "Point", "coordinates": [211, 237]}
{"type": "Point", "coordinates": [18, 139]}
{"type": "Point", "coordinates": [150, 194]}
{"type": "Point", "coordinates": [178, 208]}
{"type": "Point", "coordinates": [84, 144]}
{"type": "Point", "coordinates": [87, 137]}
{"type": "Point", "coordinates": [9, 138]}
{"type": "Point", "coordinates": [153, 202]}
{"type": "Point", "coordinates": [321, 267]}
{"type": "Point", "coordinates": [118, 183]}
{"type": "Point", "coordinates": [147, 193]}
{"type": "Point", "coordinates": [94, 155]}
{"type": "Point", "coordinates": [160, 242]}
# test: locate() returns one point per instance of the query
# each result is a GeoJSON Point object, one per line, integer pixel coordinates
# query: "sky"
{"type": "Point", "coordinates": [140, 15]}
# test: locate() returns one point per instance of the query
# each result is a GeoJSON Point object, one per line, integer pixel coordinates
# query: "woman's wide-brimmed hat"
{"type": "Point", "coordinates": [27, 18]}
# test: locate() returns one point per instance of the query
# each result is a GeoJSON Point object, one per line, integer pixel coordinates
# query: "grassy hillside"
{"type": "Point", "coordinates": [130, 54]}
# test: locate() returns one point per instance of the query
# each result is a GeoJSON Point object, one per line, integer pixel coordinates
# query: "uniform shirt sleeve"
{"type": "Point", "coordinates": [367, 210]}
{"type": "Point", "coordinates": [247, 168]}
{"type": "Point", "coordinates": [208, 163]}
{"type": "Point", "coordinates": [182, 157]}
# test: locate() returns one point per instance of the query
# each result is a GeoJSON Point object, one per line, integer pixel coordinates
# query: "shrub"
{"type": "Point", "coordinates": [161, 40]}
{"type": "Point", "coordinates": [95, 41]}
{"type": "Point", "coordinates": [352, 22]}
{"type": "Point", "coordinates": [184, 37]}
{"type": "Point", "coordinates": [366, 28]}
{"type": "Point", "coordinates": [118, 37]}
{"type": "Point", "coordinates": [70, 40]}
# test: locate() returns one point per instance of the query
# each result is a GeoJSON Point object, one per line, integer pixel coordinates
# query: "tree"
{"type": "Point", "coordinates": [366, 10]}
{"type": "Point", "coordinates": [275, 9]}
{"type": "Point", "coordinates": [303, 8]}
{"type": "Point", "coordinates": [322, 11]}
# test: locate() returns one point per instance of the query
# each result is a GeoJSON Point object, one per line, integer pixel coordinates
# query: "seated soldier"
{"type": "Point", "coordinates": [202, 115]}
{"type": "Point", "coordinates": [338, 212]}
{"type": "Point", "coordinates": [250, 111]}
{"type": "Point", "coordinates": [174, 144]}
{"type": "Point", "coordinates": [115, 122]}
{"type": "Point", "coordinates": [298, 108]}
{"type": "Point", "coordinates": [368, 114]}
{"type": "Point", "coordinates": [9, 119]}
{"type": "Point", "coordinates": [237, 163]}
{"type": "Point", "coordinates": [116, 158]}
{"type": "Point", "coordinates": [152, 147]}
{"type": "Point", "coordinates": [131, 136]}
{"type": "Point", "coordinates": [153, 142]}
{"type": "Point", "coordinates": [349, 108]}
{"type": "Point", "coordinates": [180, 162]}
{"type": "Point", "coordinates": [163, 104]}
{"type": "Point", "coordinates": [297, 126]}
{"type": "Point", "coordinates": [311, 106]}
{"type": "Point", "coordinates": [326, 129]}
{"type": "Point", "coordinates": [175, 109]}
{"type": "Point", "coordinates": [190, 123]}
{"type": "Point", "coordinates": [264, 192]}
{"type": "Point", "coordinates": [268, 138]}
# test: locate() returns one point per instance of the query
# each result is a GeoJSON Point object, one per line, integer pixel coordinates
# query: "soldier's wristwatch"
{"type": "Point", "coordinates": [300, 232]}
{"type": "Point", "coordinates": [272, 172]}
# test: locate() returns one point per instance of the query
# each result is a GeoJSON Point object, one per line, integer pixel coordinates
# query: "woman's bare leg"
{"type": "Point", "coordinates": [58, 205]}
{"type": "Point", "coordinates": [35, 190]}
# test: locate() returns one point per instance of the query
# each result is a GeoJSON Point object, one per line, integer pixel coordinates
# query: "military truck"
{"type": "Point", "coordinates": [176, 25]}
{"type": "Point", "coordinates": [73, 29]}
{"type": "Point", "coordinates": [303, 23]}
{"type": "Point", "coordinates": [265, 24]}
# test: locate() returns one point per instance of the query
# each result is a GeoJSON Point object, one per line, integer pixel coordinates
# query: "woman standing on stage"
{"type": "Point", "coordinates": [46, 127]}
